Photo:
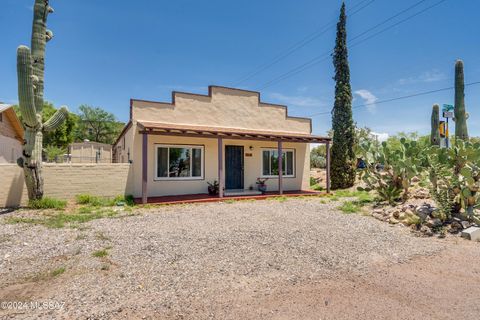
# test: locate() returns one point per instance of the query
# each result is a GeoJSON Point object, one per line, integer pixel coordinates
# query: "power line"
{"type": "Point", "coordinates": [399, 98]}
{"type": "Point", "coordinates": [302, 43]}
{"type": "Point", "coordinates": [325, 56]}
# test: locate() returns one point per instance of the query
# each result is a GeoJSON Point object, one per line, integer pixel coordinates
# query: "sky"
{"type": "Point", "coordinates": [106, 52]}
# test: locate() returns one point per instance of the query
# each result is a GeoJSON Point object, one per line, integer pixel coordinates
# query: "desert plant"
{"type": "Point", "coordinates": [461, 131]}
{"type": "Point", "coordinates": [30, 69]}
{"type": "Point", "coordinates": [455, 178]}
{"type": "Point", "coordinates": [213, 188]}
{"type": "Point", "coordinates": [435, 134]}
{"type": "Point", "coordinates": [343, 156]}
{"type": "Point", "coordinates": [390, 172]}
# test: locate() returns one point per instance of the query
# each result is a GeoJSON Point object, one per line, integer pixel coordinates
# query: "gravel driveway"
{"type": "Point", "coordinates": [195, 261]}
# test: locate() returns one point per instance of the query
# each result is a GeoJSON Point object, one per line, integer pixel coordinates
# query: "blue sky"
{"type": "Point", "coordinates": [106, 52]}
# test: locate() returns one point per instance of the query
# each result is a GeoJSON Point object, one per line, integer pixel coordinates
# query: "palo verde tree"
{"type": "Point", "coordinates": [461, 131]}
{"type": "Point", "coordinates": [30, 70]}
{"type": "Point", "coordinates": [343, 156]}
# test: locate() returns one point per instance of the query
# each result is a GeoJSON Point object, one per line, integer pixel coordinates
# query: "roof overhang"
{"type": "Point", "coordinates": [168, 129]}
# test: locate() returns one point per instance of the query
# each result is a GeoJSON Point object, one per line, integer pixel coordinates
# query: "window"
{"type": "Point", "coordinates": [270, 163]}
{"type": "Point", "coordinates": [179, 162]}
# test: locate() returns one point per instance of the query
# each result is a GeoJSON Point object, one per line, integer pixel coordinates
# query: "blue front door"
{"type": "Point", "coordinates": [233, 167]}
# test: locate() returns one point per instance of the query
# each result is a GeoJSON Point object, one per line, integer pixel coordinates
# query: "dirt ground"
{"type": "Point", "coordinates": [289, 259]}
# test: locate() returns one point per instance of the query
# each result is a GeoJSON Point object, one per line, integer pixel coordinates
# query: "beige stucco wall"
{"type": "Point", "coordinates": [122, 150]}
{"type": "Point", "coordinates": [87, 153]}
{"type": "Point", "coordinates": [6, 128]}
{"type": "Point", "coordinates": [252, 166]}
{"type": "Point", "coordinates": [10, 149]}
{"type": "Point", "coordinates": [65, 181]}
{"type": "Point", "coordinates": [225, 108]}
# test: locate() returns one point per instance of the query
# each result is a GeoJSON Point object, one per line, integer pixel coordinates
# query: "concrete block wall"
{"type": "Point", "coordinates": [65, 181]}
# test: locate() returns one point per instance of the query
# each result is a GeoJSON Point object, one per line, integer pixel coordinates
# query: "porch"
{"type": "Point", "coordinates": [229, 160]}
{"type": "Point", "coordinates": [203, 198]}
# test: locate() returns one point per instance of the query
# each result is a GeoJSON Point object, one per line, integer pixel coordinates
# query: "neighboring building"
{"type": "Point", "coordinates": [228, 135]}
{"type": "Point", "coordinates": [89, 152]}
{"type": "Point", "coordinates": [11, 135]}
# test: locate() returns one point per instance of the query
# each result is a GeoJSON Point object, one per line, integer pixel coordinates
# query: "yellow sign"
{"type": "Point", "coordinates": [443, 129]}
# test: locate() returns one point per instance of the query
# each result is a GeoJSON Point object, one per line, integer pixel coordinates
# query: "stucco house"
{"type": "Point", "coordinates": [228, 135]}
{"type": "Point", "coordinates": [11, 135]}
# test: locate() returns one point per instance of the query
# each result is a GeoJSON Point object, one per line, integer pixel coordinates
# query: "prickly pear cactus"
{"type": "Point", "coordinates": [30, 70]}
{"type": "Point", "coordinates": [461, 131]}
{"type": "Point", "coordinates": [455, 172]}
{"type": "Point", "coordinates": [390, 172]}
{"type": "Point", "coordinates": [435, 135]}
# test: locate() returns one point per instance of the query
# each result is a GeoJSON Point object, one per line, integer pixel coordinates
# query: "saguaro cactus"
{"type": "Point", "coordinates": [461, 131]}
{"type": "Point", "coordinates": [435, 135]}
{"type": "Point", "coordinates": [30, 70]}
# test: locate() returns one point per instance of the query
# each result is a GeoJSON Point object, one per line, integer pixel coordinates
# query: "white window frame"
{"type": "Point", "coordinates": [202, 169]}
{"type": "Point", "coordinates": [269, 163]}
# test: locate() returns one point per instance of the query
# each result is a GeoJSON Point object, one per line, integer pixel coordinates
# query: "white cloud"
{"type": "Point", "coordinates": [426, 77]}
{"type": "Point", "coordinates": [381, 136]}
{"type": "Point", "coordinates": [369, 98]}
{"type": "Point", "coordinates": [299, 101]}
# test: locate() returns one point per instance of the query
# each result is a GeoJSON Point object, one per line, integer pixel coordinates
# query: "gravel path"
{"type": "Point", "coordinates": [194, 261]}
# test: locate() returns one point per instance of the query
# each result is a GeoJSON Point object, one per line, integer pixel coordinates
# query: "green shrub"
{"type": "Point", "coordinates": [317, 161]}
{"type": "Point", "coordinates": [47, 203]}
{"type": "Point", "coordinates": [350, 207]}
{"type": "Point", "coordinates": [95, 201]}
{"type": "Point", "coordinates": [91, 200]}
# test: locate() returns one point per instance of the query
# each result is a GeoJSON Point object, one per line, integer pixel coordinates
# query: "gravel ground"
{"type": "Point", "coordinates": [194, 261]}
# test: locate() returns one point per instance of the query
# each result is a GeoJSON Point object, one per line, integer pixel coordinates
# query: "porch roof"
{"type": "Point", "coordinates": [158, 128]}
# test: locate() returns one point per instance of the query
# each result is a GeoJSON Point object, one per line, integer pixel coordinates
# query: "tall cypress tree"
{"type": "Point", "coordinates": [343, 156]}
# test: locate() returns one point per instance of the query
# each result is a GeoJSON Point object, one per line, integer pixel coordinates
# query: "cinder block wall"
{"type": "Point", "coordinates": [65, 181]}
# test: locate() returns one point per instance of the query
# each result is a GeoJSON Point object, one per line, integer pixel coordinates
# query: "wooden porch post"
{"type": "Point", "coordinates": [144, 167]}
{"type": "Point", "coordinates": [328, 165]}
{"type": "Point", "coordinates": [280, 168]}
{"type": "Point", "coordinates": [220, 168]}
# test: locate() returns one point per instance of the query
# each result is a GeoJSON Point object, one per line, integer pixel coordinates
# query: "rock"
{"type": "Point", "coordinates": [396, 213]}
{"type": "Point", "coordinates": [393, 221]}
{"type": "Point", "coordinates": [415, 179]}
{"type": "Point", "coordinates": [421, 193]}
{"type": "Point", "coordinates": [434, 223]}
{"type": "Point", "coordinates": [455, 227]}
{"type": "Point", "coordinates": [424, 211]}
{"type": "Point", "coordinates": [465, 224]}
{"type": "Point", "coordinates": [472, 233]}
{"type": "Point", "coordinates": [426, 231]}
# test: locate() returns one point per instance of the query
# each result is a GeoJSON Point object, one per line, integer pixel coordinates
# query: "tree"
{"type": "Point", "coordinates": [60, 137]}
{"type": "Point", "coordinates": [96, 124]}
{"type": "Point", "coordinates": [343, 156]}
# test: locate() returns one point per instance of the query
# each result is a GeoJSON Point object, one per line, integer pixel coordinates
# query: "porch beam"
{"type": "Point", "coordinates": [144, 167]}
{"type": "Point", "coordinates": [235, 137]}
{"type": "Point", "coordinates": [220, 167]}
{"type": "Point", "coordinates": [280, 168]}
{"type": "Point", "coordinates": [327, 144]}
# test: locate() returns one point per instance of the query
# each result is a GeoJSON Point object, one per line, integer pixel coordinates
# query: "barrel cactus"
{"type": "Point", "coordinates": [461, 131]}
{"type": "Point", "coordinates": [435, 134]}
{"type": "Point", "coordinates": [30, 70]}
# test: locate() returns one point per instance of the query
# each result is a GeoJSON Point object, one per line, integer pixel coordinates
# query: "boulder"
{"type": "Point", "coordinates": [434, 223]}
{"type": "Point", "coordinates": [424, 211]}
{"type": "Point", "coordinates": [421, 193]}
{"type": "Point", "coordinates": [472, 233]}
{"type": "Point", "coordinates": [465, 224]}
{"type": "Point", "coordinates": [426, 231]}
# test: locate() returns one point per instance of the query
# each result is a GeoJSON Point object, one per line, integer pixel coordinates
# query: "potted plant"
{"type": "Point", "coordinates": [213, 188]}
{"type": "Point", "coordinates": [261, 185]}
